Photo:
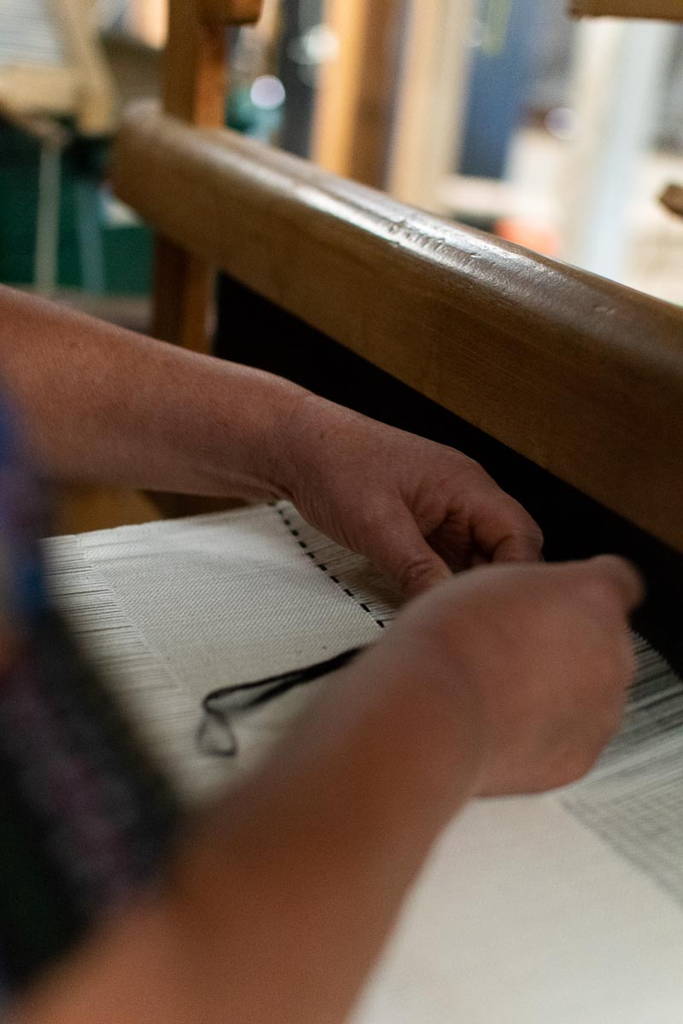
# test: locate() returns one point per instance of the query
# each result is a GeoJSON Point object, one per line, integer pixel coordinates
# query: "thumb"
{"type": "Point", "coordinates": [615, 579]}
{"type": "Point", "coordinates": [623, 576]}
{"type": "Point", "coordinates": [404, 555]}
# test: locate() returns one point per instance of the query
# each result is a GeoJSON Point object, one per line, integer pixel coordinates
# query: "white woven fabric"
{"type": "Point", "coordinates": [563, 908]}
{"type": "Point", "coordinates": [172, 610]}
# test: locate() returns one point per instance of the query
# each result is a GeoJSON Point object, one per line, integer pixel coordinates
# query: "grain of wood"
{"type": "Point", "coordinates": [583, 376]}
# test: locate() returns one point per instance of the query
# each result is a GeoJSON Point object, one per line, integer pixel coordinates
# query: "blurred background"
{"type": "Point", "coordinates": [508, 115]}
{"type": "Point", "coordinates": [505, 114]}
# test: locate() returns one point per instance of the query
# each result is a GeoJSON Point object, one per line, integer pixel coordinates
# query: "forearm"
{"type": "Point", "coordinates": [107, 405]}
{"type": "Point", "coordinates": [324, 849]}
{"type": "Point", "coordinates": [277, 909]}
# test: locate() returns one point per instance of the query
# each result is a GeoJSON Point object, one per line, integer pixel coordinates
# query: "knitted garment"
{"type": "Point", "coordinates": [85, 819]}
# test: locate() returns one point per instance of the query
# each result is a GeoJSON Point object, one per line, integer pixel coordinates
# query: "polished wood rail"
{"type": "Point", "coordinates": [581, 375]}
{"type": "Point", "coordinates": [666, 9]}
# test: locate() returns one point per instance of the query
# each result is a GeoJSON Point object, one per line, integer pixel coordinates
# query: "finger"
{"type": "Point", "coordinates": [402, 553]}
{"type": "Point", "coordinates": [623, 575]}
{"type": "Point", "coordinates": [505, 531]}
{"type": "Point", "coordinates": [519, 547]}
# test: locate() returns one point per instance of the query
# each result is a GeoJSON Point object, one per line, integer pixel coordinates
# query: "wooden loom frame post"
{"type": "Point", "coordinates": [353, 110]}
{"type": "Point", "coordinates": [195, 81]}
{"type": "Point", "coordinates": [430, 97]}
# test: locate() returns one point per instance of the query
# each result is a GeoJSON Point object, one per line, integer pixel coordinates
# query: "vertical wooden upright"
{"type": "Point", "coordinates": [430, 96]}
{"type": "Point", "coordinates": [353, 113]}
{"type": "Point", "coordinates": [195, 83]}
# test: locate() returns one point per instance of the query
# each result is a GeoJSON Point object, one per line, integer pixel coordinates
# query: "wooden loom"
{"type": "Point", "coordinates": [569, 386]}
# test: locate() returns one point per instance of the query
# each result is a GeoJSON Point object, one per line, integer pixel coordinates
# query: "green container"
{"type": "Point", "coordinates": [124, 263]}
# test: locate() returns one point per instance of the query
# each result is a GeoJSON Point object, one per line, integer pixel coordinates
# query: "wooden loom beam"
{"type": "Point", "coordinates": [583, 376]}
{"type": "Point", "coordinates": [662, 9]}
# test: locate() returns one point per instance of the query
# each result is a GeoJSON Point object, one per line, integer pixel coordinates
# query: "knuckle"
{"type": "Point", "coordinates": [531, 531]}
{"type": "Point", "coordinates": [415, 572]}
{"type": "Point", "coordinates": [471, 469]}
{"type": "Point", "coordinates": [375, 513]}
{"type": "Point", "coordinates": [525, 523]}
{"type": "Point", "coordinates": [521, 542]}
{"type": "Point", "coordinates": [466, 462]}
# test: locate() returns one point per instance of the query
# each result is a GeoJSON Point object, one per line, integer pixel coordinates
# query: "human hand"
{"type": "Point", "coordinates": [418, 510]}
{"type": "Point", "coordinates": [540, 656]}
{"type": "Point", "coordinates": [506, 679]}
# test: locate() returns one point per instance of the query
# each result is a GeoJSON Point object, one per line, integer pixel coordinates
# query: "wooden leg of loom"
{"type": "Point", "coordinates": [182, 315]}
{"type": "Point", "coordinates": [195, 88]}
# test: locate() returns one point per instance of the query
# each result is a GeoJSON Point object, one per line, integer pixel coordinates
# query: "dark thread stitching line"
{"type": "Point", "coordinates": [323, 568]}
